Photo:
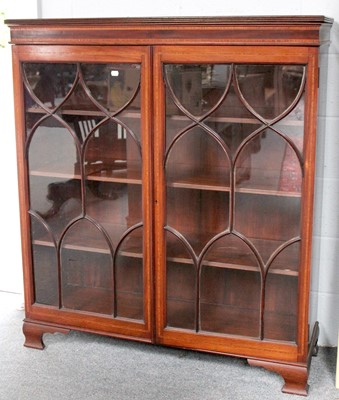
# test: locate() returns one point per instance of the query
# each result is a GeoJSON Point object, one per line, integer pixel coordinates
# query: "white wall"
{"type": "Point", "coordinates": [325, 283]}
{"type": "Point", "coordinates": [10, 248]}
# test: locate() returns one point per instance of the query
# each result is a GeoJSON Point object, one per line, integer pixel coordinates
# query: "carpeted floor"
{"type": "Point", "coordinates": [80, 366]}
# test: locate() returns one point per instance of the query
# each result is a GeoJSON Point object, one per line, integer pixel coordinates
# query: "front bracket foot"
{"type": "Point", "coordinates": [34, 331]}
{"type": "Point", "coordinates": [295, 376]}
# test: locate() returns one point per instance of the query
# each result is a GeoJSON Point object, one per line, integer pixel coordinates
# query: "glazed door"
{"type": "Point", "coordinates": [85, 149]}
{"type": "Point", "coordinates": [231, 255]}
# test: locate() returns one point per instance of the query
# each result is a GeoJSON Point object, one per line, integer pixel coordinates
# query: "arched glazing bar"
{"type": "Point", "coordinates": [194, 258]}
{"type": "Point", "coordinates": [268, 265]}
{"type": "Point", "coordinates": [101, 123]}
{"type": "Point", "coordinates": [198, 121]}
{"type": "Point", "coordinates": [254, 252]}
{"type": "Point", "coordinates": [104, 234]}
{"type": "Point", "coordinates": [280, 116]}
{"type": "Point", "coordinates": [270, 123]}
{"type": "Point", "coordinates": [51, 112]}
{"type": "Point", "coordinates": [62, 122]}
{"type": "Point", "coordinates": [38, 217]}
{"type": "Point", "coordinates": [184, 110]}
{"type": "Point", "coordinates": [275, 254]}
{"type": "Point", "coordinates": [114, 263]}
{"type": "Point", "coordinates": [48, 110]}
{"type": "Point", "coordinates": [98, 104]}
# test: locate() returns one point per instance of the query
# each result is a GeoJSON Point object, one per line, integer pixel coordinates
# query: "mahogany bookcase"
{"type": "Point", "coordinates": [166, 174]}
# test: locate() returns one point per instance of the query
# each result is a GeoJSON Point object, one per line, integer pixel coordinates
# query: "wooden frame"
{"type": "Point", "coordinates": [154, 43]}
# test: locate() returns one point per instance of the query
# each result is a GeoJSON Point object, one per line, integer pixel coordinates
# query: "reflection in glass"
{"type": "Point", "coordinates": [270, 89]}
{"type": "Point", "coordinates": [268, 163]}
{"type": "Point", "coordinates": [112, 85]}
{"type": "Point", "coordinates": [232, 121]}
{"type": "Point", "coordinates": [85, 172]}
{"type": "Point", "coordinates": [112, 152]}
{"type": "Point", "coordinates": [49, 82]}
{"type": "Point", "coordinates": [198, 88]}
{"type": "Point", "coordinates": [80, 112]}
{"type": "Point", "coordinates": [55, 191]}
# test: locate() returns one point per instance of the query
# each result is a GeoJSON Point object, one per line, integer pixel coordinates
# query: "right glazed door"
{"type": "Point", "coordinates": [231, 246]}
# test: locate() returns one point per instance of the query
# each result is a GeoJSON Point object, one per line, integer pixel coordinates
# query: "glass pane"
{"type": "Point", "coordinates": [230, 289]}
{"type": "Point", "coordinates": [209, 120]}
{"type": "Point", "coordinates": [268, 221]}
{"type": "Point", "coordinates": [86, 269]}
{"type": "Point", "coordinates": [280, 322]}
{"type": "Point", "coordinates": [45, 265]}
{"type": "Point", "coordinates": [129, 277]}
{"type": "Point", "coordinates": [116, 206]}
{"type": "Point", "coordinates": [232, 121]}
{"type": "Point", "coordinates": [112, 85]}
{"type": "Point", "coordinates": [131, 117]}
{"type": "Point", "coordinates": [197, 159]}
{"type": "Point", "coordinates": [198, 88]}
{"type": "Point", "coordinates": [112, 154]}
{"type": "Point", "coordinates": [176, 120]}
{"type": "Point", "coordinates": [198, 177]}
{"type": "Point", "coordinates": [198, 215]}
{"type": "Point", "coordinates": [54, 181]}
{"type": "Point", "coordinates": [33, 112]}
{"type": "Point", "coordinates": [49, 82]}
{"type": "Point", "coordinates": [231, 252]}
{"type": "Point", "coordinates": [270, 89]}
{"type": "Point", "coordinates": [293, 125]}
{"type": "Point", "coordinates": [287, 262]}
{"type": "Point", "coordinates": [181, 285]}
{"type": "Point", "coordinates": [230, 301]}
{"type": "Point", "coordinates": [268, 164]}
{"type": "Point", "coordinates": [280, 317]}
{"type": "Point", "coordinates": [81, 140]}
{"type": "Point", "coordinates": [80, 101]}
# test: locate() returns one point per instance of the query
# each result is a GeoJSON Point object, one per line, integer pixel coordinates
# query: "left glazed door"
{"type": "Point", "coordinates": [84, 168]}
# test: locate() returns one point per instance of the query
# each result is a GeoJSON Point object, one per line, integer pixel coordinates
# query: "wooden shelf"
{"type": "Point", "coordinates": [260, 185]}
{"type": "Point", "coordinates": [123, 175]}
{"type": "Point", "coordinates": [135, 114]}
{"type": "Point", "coordinates": [238, 261]}
{"type": "Point", "coordinates": [230, 320]}
{"type": "Point", "coordinates": [92, 245]}
{"type": "Point", "coordinates": [201, 182]}
{"type": "Point", "coordinates": [90, 112]}
{"type": "Point", "coordinates": [236, 120]}
{"type": "Point", "coordinates": [98, 300]}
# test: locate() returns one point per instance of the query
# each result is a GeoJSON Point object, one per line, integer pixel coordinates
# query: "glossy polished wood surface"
{"type": "Point", "coordinates": [166, 189]}
{"type": "Point", "coordinates": [296, 31]}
